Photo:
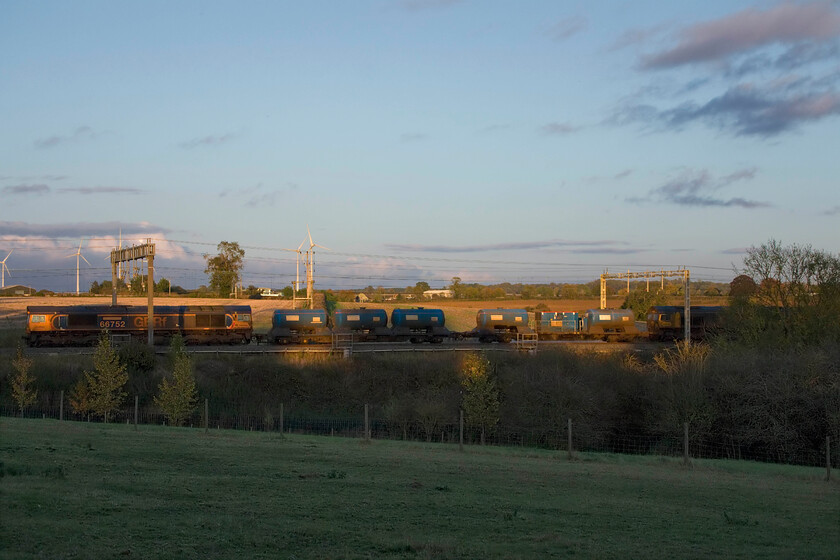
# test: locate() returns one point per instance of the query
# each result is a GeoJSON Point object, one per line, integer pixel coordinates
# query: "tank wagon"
{"type": "Point", "coordinates": [500, 325]}
{"type": "Point", "coordinates": [667, 322]}
{"type": "Point", "coordinates": [82, 325]}
{"type": "Point", "coordinates": [299, 326]}
{"type": "Point", "coordinates": [419, 325]}
{"type": "Point", "coordinates": [365, 324]}
{"type": "Point", "coordinates": [595, 324]}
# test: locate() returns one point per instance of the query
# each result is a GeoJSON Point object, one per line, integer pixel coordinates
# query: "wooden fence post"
{"type": "Point", "coordinates": [136, 410]}
{"type": "Point", "coordinates": [461, 428]}
{"type": "Point", "coordinates": [686, 455]}
{"type": "Point", "coordinates": [570, 439]}
{"type": "Point", "coordinates": [206, 416]}
{"type": "Point", "coordinates": [61, 407]}
{"type": "Point", "coordinates": [827, 458]}
{"type": "Point", "coordinates": [367, 426]}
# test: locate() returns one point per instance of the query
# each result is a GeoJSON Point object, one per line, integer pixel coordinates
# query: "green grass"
{"type": "Point", "coordinates": [10, 338]}
{"type": "Point", "coordinates": [78, 490]}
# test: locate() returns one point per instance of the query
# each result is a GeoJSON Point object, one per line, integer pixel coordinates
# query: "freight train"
{"type": "Point", "coordinates": [232, 324]}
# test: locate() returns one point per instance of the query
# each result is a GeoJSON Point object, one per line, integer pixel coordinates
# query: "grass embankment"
{"type": "Point", "coordinates": [75, 490]}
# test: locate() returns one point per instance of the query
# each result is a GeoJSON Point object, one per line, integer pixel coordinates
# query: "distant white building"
{"type": "Point", "coordinates": [361, 297]}
{"type": "Point", "coordinates": [429, 294]}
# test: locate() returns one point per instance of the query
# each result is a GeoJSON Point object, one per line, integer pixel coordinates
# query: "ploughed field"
{"type": "Point", "coordinates": [82, 490]}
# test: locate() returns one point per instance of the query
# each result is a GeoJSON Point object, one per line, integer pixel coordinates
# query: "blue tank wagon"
{"type": "Point", "coordinates": [611, 324]}
{"type": "Point", "coordinates": [419, 325]}
{"type": "Point", "coordinates": [299, 326]}
{"type": "Point", "coordinates": [500, 325]}
{"type": "Point", "coordinates": [365, 324]}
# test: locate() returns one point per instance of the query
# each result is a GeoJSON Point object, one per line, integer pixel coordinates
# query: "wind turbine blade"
{"type": "Point", "coordinates": [321, 246]}
{"type": "Point", "coordinates": [84, 259]}
{"type": "Point", "coordinates": [310, 236]}
{"type": "Point", "coordinates": [80, 244]}
{"type": "Point", "coordinates": [7, 256]}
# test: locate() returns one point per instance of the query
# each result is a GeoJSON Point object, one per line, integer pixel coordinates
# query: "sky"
{"type": "Point", "coordinates": [417, 140]}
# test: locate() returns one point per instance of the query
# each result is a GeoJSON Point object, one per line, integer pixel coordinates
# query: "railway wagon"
{"type": "Point", "coordinates": [667, 322]}
{"type": "Point", "coordinates": [611, 324]}
{"type": "Point", "coordinates": [365, 324]}
{"type": "Point", "coordinates": [595, 324]}
{"type": "Point", "coordinates": [419, 325]}
{"type": "Point", "coordinates": [500, 325]}
{"type": "Point", "coordinates": [559, 325]}
{"type": "Point", "coordinates": [299, 326]}
{"type": "Point", "coordinates": [82, 325]}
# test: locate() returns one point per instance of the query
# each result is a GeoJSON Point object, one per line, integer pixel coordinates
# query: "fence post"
{"type": "Point", "coordinates": [461, 428]}
{"type": "Point", "coordinates": [136, 410]}
{"type": "Point", "coordinates": [827, 458]}
{"type": "Point", "coordinates": [570, 439]}
{"type": "Point", "coordinates": [686, 455]}
{"type": "Point", "coordinates": [367, 426]}
{"type": "Point", "coordinates": [61, 407]}
{"type": "Point", "coordinates": [206, 417]}
{"type": "Point", "coordinates": [281, 419]}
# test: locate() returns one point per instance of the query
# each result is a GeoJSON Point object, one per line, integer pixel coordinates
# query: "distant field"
{"type": "Point", "coordinates": [79, 490]}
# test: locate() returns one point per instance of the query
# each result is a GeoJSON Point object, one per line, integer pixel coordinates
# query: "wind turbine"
{"type": "Point", "coordinates": [4, 271]}
{"type": "Point", "coordinates": [310, 268]}
{"type": "Point", "coordinates": [78, 254]}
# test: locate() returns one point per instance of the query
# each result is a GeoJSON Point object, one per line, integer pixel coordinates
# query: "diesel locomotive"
{"type": "Point", "coordinates": [82, 325]}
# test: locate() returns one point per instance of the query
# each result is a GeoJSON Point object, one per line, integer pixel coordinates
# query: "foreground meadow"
{"type": "Point", "coordinates": [79, 490]}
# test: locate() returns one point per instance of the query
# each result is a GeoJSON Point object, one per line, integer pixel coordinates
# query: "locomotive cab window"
{"type": "Point", "coordinates": [38, 319]}
{"type": "Point", "coordinates": [244, 317]}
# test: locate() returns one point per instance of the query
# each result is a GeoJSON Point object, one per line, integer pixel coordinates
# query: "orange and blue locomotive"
{"type": "Point", "coordinates": [82, 325]}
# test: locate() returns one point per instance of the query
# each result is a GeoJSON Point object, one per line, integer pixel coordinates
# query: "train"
{"type": "Point", "coordinates": [82, 325]}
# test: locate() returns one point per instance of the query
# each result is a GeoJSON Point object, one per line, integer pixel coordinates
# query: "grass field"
{"type": "Point", "coordinates": [78, 490]}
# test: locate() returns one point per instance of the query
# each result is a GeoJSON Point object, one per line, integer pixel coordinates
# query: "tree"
{"type": "Point", "coordinates": [457, 289]}
{"type": "Point", "coordinates": [640, 301]}
{"type": "Point", "coordinates": [481, 395]}
{"type": "Point", "coordinates": [419, 288]}
{"type": "Point", "coordinates": [162, 286]}
{"type": "Point", "coordinates": [22, 381]}
{"type": "Point", "coordinates": [797, 298]}
{"type": "Point", "coordinates": [178, 399]}
{"type": "Point", "coordinates": [224, 268]}
{"type": "Point", "coordinates": [80, 397]}
{"type": "Point", "coordinates": [742, 286]}
{"type": "Point", "coordinates": [106, 382]}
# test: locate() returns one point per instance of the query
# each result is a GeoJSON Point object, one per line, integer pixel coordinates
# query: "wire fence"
{"type": "Point", "coordinates": [570, 438]}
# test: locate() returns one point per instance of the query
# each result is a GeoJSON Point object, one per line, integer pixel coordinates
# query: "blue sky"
{"type": "Point", "coordinates": [417, 139]}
